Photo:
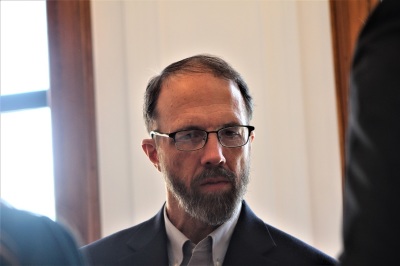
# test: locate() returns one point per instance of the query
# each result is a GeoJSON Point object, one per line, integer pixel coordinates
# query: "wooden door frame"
{"type": "Point", "coordinates": [72, 105]}
{"type": "Point", "coordinates": [347, 19]}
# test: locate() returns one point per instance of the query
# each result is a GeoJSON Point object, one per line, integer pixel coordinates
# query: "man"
{"type": "Point", "coordinates": [28, 239]}
{"type": "Point", "coordinates": [198, 113]}
{"type": "Point", "coordinates": [372, 198]}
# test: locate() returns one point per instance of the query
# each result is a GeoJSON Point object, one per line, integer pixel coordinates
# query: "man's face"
{"type": "Point", "coordinates": [210, 182]}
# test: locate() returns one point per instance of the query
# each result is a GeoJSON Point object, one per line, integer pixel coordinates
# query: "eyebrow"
{"type": "Point", "coordinates": [195, 127]}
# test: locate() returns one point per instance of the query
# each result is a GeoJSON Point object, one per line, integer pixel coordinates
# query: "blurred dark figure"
{"type": "Point", "coordinates": [372, 189]}
{"type": "Point", "coordinates": [27, 239]}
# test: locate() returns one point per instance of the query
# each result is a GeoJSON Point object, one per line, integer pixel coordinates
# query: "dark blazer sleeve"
{"type": "Point", "coordinates": [372, 190]}
{"type": "Point", "coordinates": [27, 239]}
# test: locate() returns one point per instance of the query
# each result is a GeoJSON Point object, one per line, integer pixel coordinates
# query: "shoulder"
{"type": "Point", "coordinates": [109, 250]}
{"type": "Point", "coordinates": [273, 244]}
{"type": "Point", "coordinates": [35, 239]}
{"type": "Point", "coordinates": [116, 241]}
{"type": "Point", "coordinates": [293, 249]}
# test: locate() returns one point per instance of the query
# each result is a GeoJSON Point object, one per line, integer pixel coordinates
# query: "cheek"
{"type": "Point", "coordinates": [166, 160]}
{"type": "Point", "coordinates": [239, 162]}
{"type": "Point", "coordinates": [176, 165]}
{"type": "Point", "coordinates": [180, 164]}
{"type": "Point", "coordinates": [237, 158]}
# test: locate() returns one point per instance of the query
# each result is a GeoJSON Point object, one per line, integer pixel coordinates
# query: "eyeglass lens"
{"type": "Point", "coordinates": [196, 139]}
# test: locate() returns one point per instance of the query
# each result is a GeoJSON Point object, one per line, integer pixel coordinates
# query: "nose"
{"type": "Point", "coordinates": [212, 151]}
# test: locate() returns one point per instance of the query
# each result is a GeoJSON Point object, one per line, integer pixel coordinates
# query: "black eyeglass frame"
{"type": "Point", "coordinates": [173, 134]}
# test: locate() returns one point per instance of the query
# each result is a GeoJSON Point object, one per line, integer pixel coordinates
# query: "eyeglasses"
{"type": "Point", "coordinates": [195, 139]}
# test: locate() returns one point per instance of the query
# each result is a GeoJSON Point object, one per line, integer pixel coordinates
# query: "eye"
{"type": "Point", "coordinates": [231, 132]}
{"type": "Point", "coordinates": [189, 135]}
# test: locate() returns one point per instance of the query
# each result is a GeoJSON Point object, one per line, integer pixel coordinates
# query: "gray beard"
{"type": "Point", "coordinates": [211, 208]}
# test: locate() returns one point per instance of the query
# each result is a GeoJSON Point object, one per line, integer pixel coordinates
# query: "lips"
{"type": "Point", "coordinates": [215, 181]}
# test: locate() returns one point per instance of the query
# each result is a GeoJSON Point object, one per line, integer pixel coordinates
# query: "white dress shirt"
{"type": "Point", "coordinates": [178, 243]}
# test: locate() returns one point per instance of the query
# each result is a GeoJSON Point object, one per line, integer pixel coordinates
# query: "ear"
{"type": "Point", "coordinates": [149, 147]}
{"type": "Point", "coordinates": [252, 135]}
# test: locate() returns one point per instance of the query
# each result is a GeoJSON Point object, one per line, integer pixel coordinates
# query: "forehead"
{"type": "Point", "coordinates": [201, 100]}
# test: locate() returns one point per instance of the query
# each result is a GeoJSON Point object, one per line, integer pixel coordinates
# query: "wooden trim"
{"type": "Point", "coordinates": [73, 117]}
{"type": "Point", "coordinates": [347, 19]}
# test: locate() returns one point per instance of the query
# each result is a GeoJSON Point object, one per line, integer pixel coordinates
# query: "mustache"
{"type": "Point", "coordinates": [214, 172]}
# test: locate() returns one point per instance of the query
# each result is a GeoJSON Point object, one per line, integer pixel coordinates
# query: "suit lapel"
{"type": "Point", "coordinates": [148, 246]}
{"type": "Point", "coordinates": [249, 244]}
{"type": "Point", "coordinates": [250, 241]}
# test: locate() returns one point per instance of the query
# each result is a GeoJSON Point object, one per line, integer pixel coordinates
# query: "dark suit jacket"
{"type": "Point", "coordinates": [372, 189]}
{"type": "Point", "coordinates": [253, 243]}
{"type": "Point", "coordinates": [27, 239]}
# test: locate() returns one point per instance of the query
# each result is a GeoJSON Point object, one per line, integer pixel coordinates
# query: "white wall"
{"type": "Point", "coordinates": [283, 50]}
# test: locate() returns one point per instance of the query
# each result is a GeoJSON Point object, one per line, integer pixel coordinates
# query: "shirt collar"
{"type": "Point", "coordinates": [176, 240]}
{"type": "Point", "coordinates": [222, 235]}
{"type": "Point", "coordinates": [220, 239]}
